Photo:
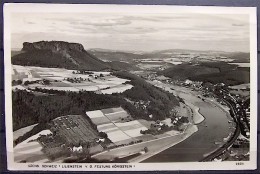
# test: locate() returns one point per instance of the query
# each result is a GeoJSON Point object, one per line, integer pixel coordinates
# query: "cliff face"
{"type": "Point", "coordinates": [52, 45]}
{"type": "Point", "coordinates": [58, 54]}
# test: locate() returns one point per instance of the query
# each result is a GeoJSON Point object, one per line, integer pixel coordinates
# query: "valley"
{"type": "Point", "coordinates": [95, 110]}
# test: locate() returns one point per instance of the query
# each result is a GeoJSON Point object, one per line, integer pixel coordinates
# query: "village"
{"type": "Point", "coordinates": [236, 97]}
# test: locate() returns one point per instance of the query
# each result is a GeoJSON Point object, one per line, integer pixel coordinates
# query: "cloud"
{"type": "Point", "coordinates": [93, 20]}
{"type": "Point", "coordinates": [107, 22]}
{"type": "Point", "coordinates": [29, 22]}
{"type": "Point", "coordinates": [136, 31]}
{"type": "Point", "coordinates": [238, 25]}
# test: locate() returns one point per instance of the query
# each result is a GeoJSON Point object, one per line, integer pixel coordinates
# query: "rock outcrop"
{"type": "Point", "coordinates": [58, 54]}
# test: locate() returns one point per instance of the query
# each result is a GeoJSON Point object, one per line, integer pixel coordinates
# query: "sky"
{"type": "Point", "coordinates": [135, 32]}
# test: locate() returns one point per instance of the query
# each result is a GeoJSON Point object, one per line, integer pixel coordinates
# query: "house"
{"type": "Point", "coordinates": [155, 127]}
{"type": "Point", "coordinates": [77, 149]}
{"type": "Point", "coordinates": [188, 82]}
{"type": "Point", "coordinates": [159, 123]}
{"type": "Point", "coordinates": [100, 140]}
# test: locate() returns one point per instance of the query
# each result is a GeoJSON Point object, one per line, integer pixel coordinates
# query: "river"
{"type": "Point", "coordinates": [214, 128]}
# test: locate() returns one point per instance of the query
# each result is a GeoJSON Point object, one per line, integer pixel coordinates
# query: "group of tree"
{"type": "Point", "coordinates": [29, 109]}
{"type": "Point", "coordinates": [16, 82]}
{"type": "Point", "coordinates": [213, 72]}
{"type": "Point", "coordinates": [44, 82]}
{"type": "Point", "coordinates": [76, 80]}
{"type": "Point", "coordinates": [160, 102]}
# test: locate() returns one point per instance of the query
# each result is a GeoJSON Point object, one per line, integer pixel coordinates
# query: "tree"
{"type": "Point", "coordinates": [19, 82]}
{"type": "Point", "coordinates": [26, 83]}
{"type": "Point", "coordinates": [14, 82]}
{"type": "Point", "coordinates": [142, 132]}
{"type": "Point", "coordinates": [46, 82]}
{"type": "Point", "coordinates": [102, 134]}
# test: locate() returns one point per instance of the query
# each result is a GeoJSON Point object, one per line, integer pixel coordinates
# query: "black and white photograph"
{"type": "Point", "coordinates": [130, 87]}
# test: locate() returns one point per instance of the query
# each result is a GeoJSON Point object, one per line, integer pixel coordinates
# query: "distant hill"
{"type": "Point", "coordinates": [129, 56]}
{"type": "Point", "coordinates": [117, 65]}
{"type": "Point", "coordinates": [214, 72]}
{"type": "Point", "coordinates": [57, 54]}
{"type": "Point", "coordinates": [185, 71]}
{"type": "Point", "coordinates": [239, 57]}
{"type": "Point", "coordinates": [110, 55]}
{"type": "Point", "coordinates": [233, 77]}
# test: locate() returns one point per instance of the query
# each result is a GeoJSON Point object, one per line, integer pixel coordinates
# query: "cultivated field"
{"type": "Point", "coordinates": [74, 129]}
{"type": "Point", "coordinates": [242, 86]}
{"type": "Point", "coordinates": [68, 80]}
{"type": "Point", "coordinates": [149, 66]}
{"type": "Point", "coordinates": [30, 150]}
{"type": "Point", "coordinates": [241, 64]}
{"type": "Point", "coordinates": [243, 89]}
{"type": "Point", "coordinates": [112, 122]}
{"type": "Point", "coordinates": [22, 131]}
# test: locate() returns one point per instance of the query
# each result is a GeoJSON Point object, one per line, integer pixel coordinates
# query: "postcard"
{"type": "Point", "coordinates": [130, 87]}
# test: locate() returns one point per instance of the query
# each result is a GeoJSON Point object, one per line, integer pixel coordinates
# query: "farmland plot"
{"type": "Point", "coordinates": [107, 127]}
{"type": "Point", "coordinates": [22, 131]}
{"type": "Point", "coordinates": [135, 132]}
{"type": "Point", "coordinates": [117, 115]}
{"type": "Point", "coordinates": [117, 89]}
{"type": "Point", "coordinates": [61, 88]}
{"type": "Point", "coordinates": [111, 110]}
{"type": "Point", "coordinates": [30, 150]}
{"type": "Point", "coordinates": [117, 131]}
{"type": "Point", "coordinates": [100, 120]}
{"type": "Point", "coordinates": [97, 117]}
{"type": "Point", "coordinates": [131, 128]}
{"type": "Point", "coordinates": [75, 129]}
{"type": "Point", "coordinates": [95, 114]}
{"type": "Point", "coordinates": [68, 80]}
{"type": "Point", "coordinates": [117, 135]}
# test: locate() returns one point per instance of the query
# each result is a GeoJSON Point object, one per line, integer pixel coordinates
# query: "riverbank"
{"type": "Point", "coordinates": [214, 127]}
{"type": "Point", "coordinates": [188, 96]}
{"type": "Point", "coordinates": [196, 115]}
{"type": "Point", "coordinates": [154, 146]}
{"type": "Point", "coordinates": [173, 140]}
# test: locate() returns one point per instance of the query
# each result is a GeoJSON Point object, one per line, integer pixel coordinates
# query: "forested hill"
{"type": "Point", "coordinates": [57, 54]}
{"type": "Point", "coordinates": [161, 103]}
{"type": "Point", "coordinates": [140, 101]}
{"type": "Point", "coordinates": [213, 72]}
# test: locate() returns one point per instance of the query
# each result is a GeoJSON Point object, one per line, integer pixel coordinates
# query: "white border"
{"type": "Point", "coordinates": [81, 8]}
